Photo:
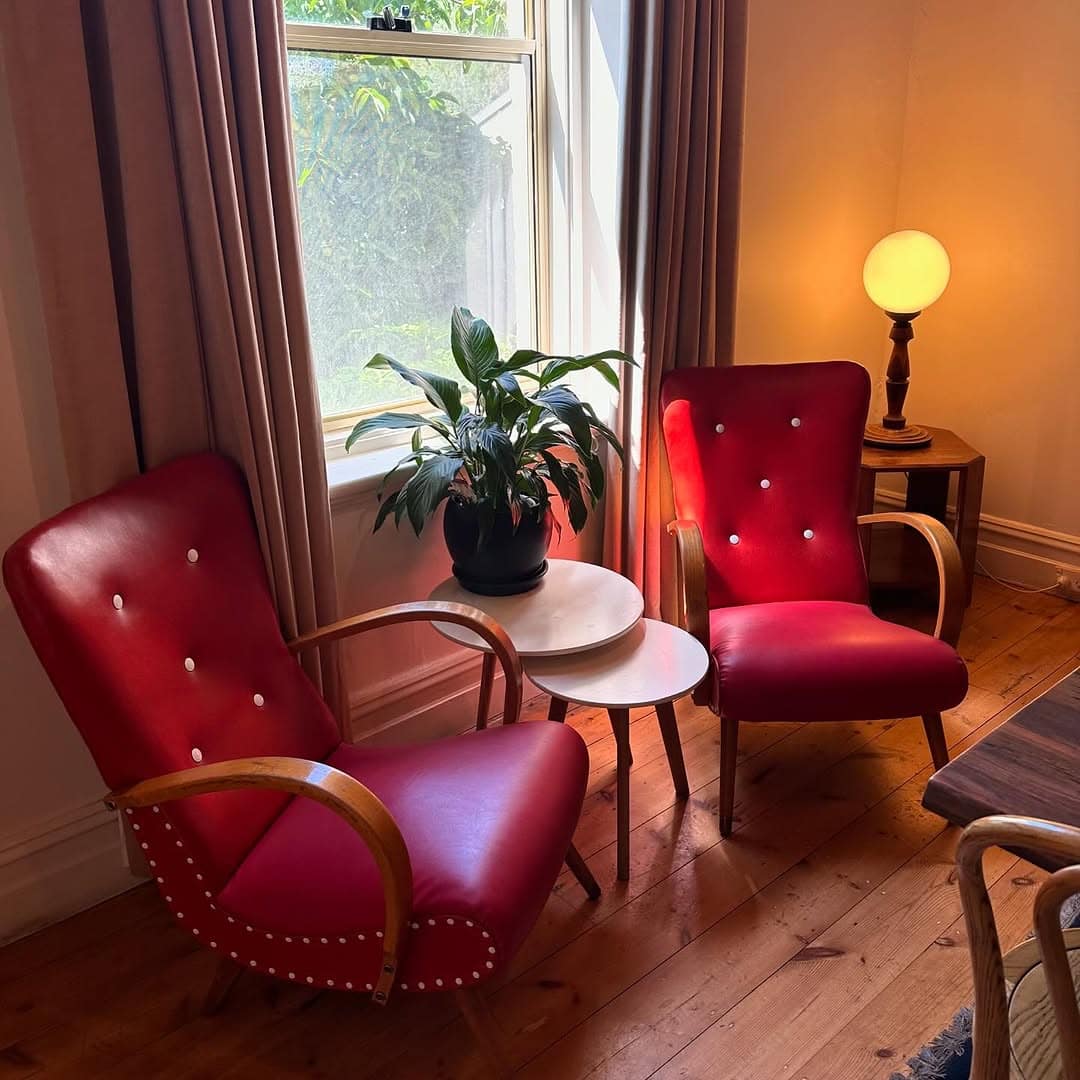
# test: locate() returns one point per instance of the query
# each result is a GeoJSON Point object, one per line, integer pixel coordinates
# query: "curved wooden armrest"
{"type": "Point", "coordinates": [952, 587]}
{"type": "Point", "coordinates": [690, 579]}
{"type": "Point", "coordinates": [990, 1059]}
{"type": "Point", "coordinates": [693, 598]}
{"type": "Point", "coordinates": [343, 794]}
{"type": "Point", "coordinates": [432, 611]}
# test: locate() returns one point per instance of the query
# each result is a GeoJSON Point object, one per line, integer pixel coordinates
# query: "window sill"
{"type": "Point", "coordinates": [353, 478]}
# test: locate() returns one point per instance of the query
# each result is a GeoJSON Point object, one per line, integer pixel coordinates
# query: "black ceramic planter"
{"type": "Point", "coordinates": [508, 561]}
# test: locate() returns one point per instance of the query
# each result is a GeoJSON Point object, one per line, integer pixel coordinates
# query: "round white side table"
{"type": "Point", "coordinates": [577, 606]}
{"type": "Point", "coordinates": [652, 664]}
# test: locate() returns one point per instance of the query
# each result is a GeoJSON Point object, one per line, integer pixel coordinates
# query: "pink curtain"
{"type": "Point", "coordinates": [682, 139]}
{"type": "Point", "coordinates": [155, 144]}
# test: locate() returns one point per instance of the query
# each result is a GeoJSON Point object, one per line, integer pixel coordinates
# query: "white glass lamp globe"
{"type": "Point", "coordinates": [906, 272]}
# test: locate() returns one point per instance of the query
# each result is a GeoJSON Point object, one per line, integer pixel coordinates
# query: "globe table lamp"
{"type": "Point", "coordinates": [903, 274]}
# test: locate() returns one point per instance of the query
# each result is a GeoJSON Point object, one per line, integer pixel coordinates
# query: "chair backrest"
{"type": "Point", "coordinates": [150, 610]}
{"type": "Point", "coordinates": [765, 458]}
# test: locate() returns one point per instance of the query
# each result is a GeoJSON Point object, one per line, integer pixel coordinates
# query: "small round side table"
{"type": "Point", "coordinates": [577, 606]}
{"type": "Point", "coordinates": [651, 665]}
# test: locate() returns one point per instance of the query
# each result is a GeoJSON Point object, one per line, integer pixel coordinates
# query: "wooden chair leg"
{"type": "Point", "coordinates": [729, 752]}
{"type": "Point", "coordinates": [487, 678]}
{"type": "Point", "coordinates": [485, 1028]}
{"type": "Point", "coordinates": [935, 736]}
{"type": "Point", "coordinates": [620, 726]}
{"type": "Point", "coordinates": [557, 710]}
{"type": "Point", "coordinates": [669, 729]}
{"type": "Point", "coordinates": [224, 979]}
{"type": "Point", "coordinates": [582, 872]}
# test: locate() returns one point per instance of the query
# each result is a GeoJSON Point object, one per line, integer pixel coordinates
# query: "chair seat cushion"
{"type": "Point", "coordinates": [827, 660]}
{"type": "Point", "coordinates": [487, 817]}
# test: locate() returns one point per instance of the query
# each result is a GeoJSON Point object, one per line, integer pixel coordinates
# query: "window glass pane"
{"type": "Point", "coordinates": [415, 187]}
{"type": "Point", "coordinates": [490, 18]}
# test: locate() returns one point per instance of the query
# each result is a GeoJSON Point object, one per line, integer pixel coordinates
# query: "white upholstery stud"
{"type": "Point", "coordinates": [766, 484]}
{"type": "Point", "coordinates": [117, 601]}
{"type": "Point", "coordinates": [808, 534]}
{"type": "Point", "coordinates": [733, 538]}
{"type": "Point", "coordinates": [259, 700]}
{"type": "Point", "coordinates": [720, 429]}
{"type": "Point", "coordinates": [192, 555]}
{"type": "Point", "coordinates": [189, 664]}
{"type": "Point", "coordinates": [196, 754]}
{"type": "Point", "coordinates": [796, 422]}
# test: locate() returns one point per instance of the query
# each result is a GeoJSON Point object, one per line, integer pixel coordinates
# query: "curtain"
{"type": "Point", "coordinates": [682, 134]}
{"type": "Point", "coordinates": [155, 144]}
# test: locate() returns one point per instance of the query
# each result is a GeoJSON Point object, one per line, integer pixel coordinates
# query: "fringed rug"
{"type": "Point", "coordinates": [948, 1057]}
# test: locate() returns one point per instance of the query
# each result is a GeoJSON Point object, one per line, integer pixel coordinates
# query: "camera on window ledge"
{"type": "Point", "coordinates": [401, 22]}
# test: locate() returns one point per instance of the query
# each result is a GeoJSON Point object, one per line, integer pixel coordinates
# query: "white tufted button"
{"type": "Point", "coordinates": [189, 664]}
{"type": "Point", "coordinates": [808, 534]}
{"type": "Point", "coordinates": [117, 601]}
{"type": "Point", "coordinates": [192, 555]}
{"type": "Point", "coordinates": [766, 484]}
{"type": "Point", "coordinates": [196, 754]}
{"type": "Point", "coordinates": [796, 422]}
{"type": "Point", "coordinates": [733, 538]}
{"type": "Point", "coordinates": [259, 700]}
{"type": "Point", "coordinates": [719, 429]}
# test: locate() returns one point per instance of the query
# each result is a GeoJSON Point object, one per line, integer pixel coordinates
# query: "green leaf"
{"type": "Point", "coordinates": [488, 441]}
{"type": "Point", "coordinates": [444, 393]}
{"type": "Point", "coordinates": [388, 421]}
{"type": "Point", "coordinates": [564, 404]}
{"type": "Point", "coordinates": [385, 506]}
{"type": "Point", "coordinates": [473, 345]}
{"type": "Point", "coordinates": [428, 486]}
{"type": "Point", "coordinates": [559, 369]}
{"type": "Point", "coordinates": [524, 358]}
{"type": "Point", "coordinates": [604, 431]}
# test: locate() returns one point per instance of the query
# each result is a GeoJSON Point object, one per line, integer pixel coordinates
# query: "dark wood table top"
{"type": "Point", "coordinates": [948, 451]}
{"type": "Point", "coordinates": [1028, 766]}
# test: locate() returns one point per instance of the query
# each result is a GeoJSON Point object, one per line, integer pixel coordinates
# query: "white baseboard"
{"type": "Point", "coordinates": [60, 865]}
{"type": "Point", "coordinates": [424, 703]}
{"type": "Point", "coordinates": [1016, 551]}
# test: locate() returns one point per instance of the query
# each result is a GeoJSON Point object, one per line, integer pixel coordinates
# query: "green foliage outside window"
{"type": "Point", "coordinates": [397, 178]}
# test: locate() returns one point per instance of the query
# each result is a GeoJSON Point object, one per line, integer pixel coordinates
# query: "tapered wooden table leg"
{"type": "Point", "coordinates": [669, 729]}
{"type": "Point", "coordinates": [487, 677]}
{"type": "Point", "coordinates": [557, 710]}
{"type": "Point", "coordinates": [620, 726]}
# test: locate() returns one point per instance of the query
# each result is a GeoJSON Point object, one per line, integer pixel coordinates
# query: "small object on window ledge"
{"type": "Point", "coordinates": [388, 21]}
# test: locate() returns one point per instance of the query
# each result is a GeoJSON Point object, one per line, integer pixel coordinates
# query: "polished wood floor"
{"type": "Point", "coordinates": [823, 940]}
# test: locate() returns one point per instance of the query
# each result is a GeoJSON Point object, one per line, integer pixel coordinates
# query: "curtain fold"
{"type": "Point", "coordinates": [155, 143]}
{"type": "Point", "coordinates": [682, 135]}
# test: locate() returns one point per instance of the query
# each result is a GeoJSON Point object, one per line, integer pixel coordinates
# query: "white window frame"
{"type": "Point", "coordinates": [529, 52]}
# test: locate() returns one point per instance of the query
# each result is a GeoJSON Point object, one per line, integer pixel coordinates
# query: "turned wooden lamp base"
{"type": "Point", "coordinates": [909, 437]}
{"type": "Point", "coordinates": [894, 432]}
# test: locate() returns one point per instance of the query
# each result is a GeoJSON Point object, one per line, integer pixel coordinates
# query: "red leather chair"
{"type": "Point", "coordinates": [283, 849]}
{"type": "Point", "coordinates": [764, 466]}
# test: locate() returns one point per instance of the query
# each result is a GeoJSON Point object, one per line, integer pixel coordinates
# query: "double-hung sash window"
{"type": "Point", "coordinates": [420, 179]}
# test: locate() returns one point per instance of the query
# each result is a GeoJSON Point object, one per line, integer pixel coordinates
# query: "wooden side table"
{"type": "Point", "coordinates": [576, 607]}
{"type": "Point", "coordinates": [928, 473]}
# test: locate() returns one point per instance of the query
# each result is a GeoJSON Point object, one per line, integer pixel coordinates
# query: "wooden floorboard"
{"type": "Point", "coordinates": [822, 940]}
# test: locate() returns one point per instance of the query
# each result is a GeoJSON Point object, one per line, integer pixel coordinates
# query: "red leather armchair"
{"type": "Point", "coordinates": [764, 466]}
{"type": "Point", "coordinates": [283, 849]}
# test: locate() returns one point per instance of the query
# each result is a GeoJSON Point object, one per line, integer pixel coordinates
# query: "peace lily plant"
{"type": "Point", "coordinates": [498, 448]}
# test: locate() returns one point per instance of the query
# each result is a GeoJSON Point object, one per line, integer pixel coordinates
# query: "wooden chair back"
{"type": "Point", "coordinates": [1061, 844]}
